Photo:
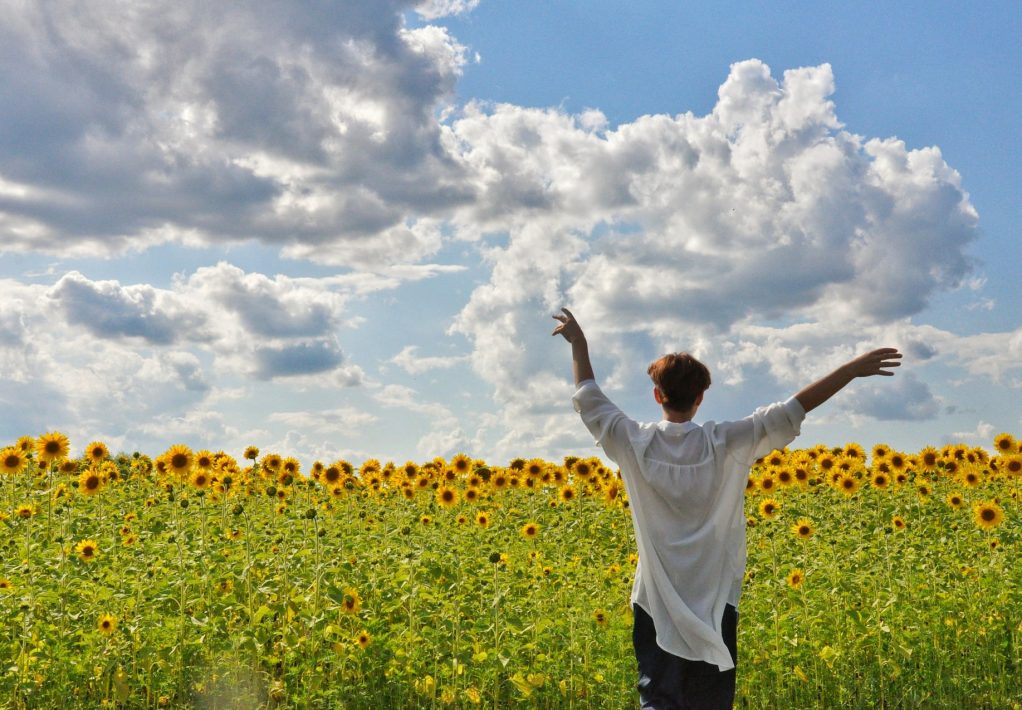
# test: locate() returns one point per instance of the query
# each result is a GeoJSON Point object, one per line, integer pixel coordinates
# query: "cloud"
{"type": "Point", "coordinates": [433, 9]}
{"type": "Point", "coordinates": [312, 126]}
{"type": "Point", "coordinates": [108, 310]}
{"type": "Point", "coordinates": [415, 364]}
{"type": "Point", "coordinates": [690, 230]}
{"type": "Point", "coordinates": [906, 398]}
{"type": "Point", "coordinates": [296, 359]}
{"type": "Point", "coordinates": [280, 307]}
{"type": "Point", "coordinates": [336, 420]}
{"type": "Point", "coordinates": [984, 433]}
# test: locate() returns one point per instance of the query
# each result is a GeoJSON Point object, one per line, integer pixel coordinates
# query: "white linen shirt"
{"type": "Point", "coordinates": [686, 490]}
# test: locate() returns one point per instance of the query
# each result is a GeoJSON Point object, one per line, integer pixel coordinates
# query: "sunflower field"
{"type": "Point", "coordinates": [876, 578]}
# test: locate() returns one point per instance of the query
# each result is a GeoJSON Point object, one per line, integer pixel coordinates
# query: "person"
{"type": "Point", "coordinates": [686, 490]}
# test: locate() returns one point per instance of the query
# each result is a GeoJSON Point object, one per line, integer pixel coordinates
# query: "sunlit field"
{"type": "Point", "coordinates": [876, 578]}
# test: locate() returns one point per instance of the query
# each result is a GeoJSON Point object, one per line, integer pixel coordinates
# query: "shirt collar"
{"type": "Point", "coordinates": [676, 427]}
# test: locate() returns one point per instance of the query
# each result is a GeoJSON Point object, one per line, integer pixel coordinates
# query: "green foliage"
{"type": "Point", "coordinates": [366, 598]}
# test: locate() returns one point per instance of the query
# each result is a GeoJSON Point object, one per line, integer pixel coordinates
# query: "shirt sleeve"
{"type": "Point", "coordinates": [768, 428]}
{"type": "Point", "coordinates": [604, 420]}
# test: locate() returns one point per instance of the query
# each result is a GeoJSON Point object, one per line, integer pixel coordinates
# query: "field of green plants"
{"type": "Point", "coordinates": [876, 578]}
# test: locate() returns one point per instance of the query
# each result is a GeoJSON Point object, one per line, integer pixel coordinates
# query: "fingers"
{"type": "Point", "coordinates": [881, 360]}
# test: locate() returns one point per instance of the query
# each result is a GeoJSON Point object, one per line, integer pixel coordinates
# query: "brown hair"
{"type": "Point", "coordinates": [681, 379]}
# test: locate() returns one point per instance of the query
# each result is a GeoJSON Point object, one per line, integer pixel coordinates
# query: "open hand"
{"type": "Point", "coordinates": [876, 362]}
{"type": "Point", "coordinates": [569, 327]}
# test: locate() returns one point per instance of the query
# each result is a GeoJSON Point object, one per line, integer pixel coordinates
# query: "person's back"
{"type": "Point", "coordinates": [685, 485]}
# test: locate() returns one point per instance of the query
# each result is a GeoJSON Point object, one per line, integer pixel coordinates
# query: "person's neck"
{"type": "Point", "coordinates": [678, 417]}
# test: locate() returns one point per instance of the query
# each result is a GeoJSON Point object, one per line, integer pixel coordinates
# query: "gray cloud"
{"type": "Point", "coordinates": [296, 359]}
{"type": "Point", "coordinates": [275, 308]}
{"type": "Point", "coordinates": [314, 123]}
{"type": "Point", "coordinates": [905, 399]}
{"type": "Point", "coordinates": [106, 309]}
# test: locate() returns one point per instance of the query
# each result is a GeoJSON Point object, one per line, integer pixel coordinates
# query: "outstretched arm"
{"type": "Point", "coordinates": [872, 363]}
{"type": "Point", "coordinates": [572, 332]}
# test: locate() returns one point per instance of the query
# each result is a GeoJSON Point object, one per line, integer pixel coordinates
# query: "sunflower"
{"type": "Point", "coordinates": [955, 500]}
{"type": "Point", "coordinates": [90, 482]}
{"type": "Point", "coordinates": [52, 447]}
{"type": "Point", "coordinates": [446, 497]}
{"type": "Point", "coordinates": [530, 530]}
{"type": "Point", "coordinates": [363, 640]}
{"type": "Point", "coordinates": [848, 484]}
{"type": "Point", "coordinates": [535, 467]}
{"type": "Point", "coordinates": [25, 510]}
{"type": "Point", "coordinates": [204, 460]}
{"type": "Point", "coordinates": [600, 617]}
{"type": "Point", "coordinates": [880, 451]}
{"type": "Point", "coordinates": [87, 550]}
{"type": "Point", "coordinates": [499, 481]}
{"type": "Point", "coordinates": [6, 585]}
{"type": "Point", "coordinates": [107, 623]}
{"type": "Point", "coordinates": [567, 494]}
{"type": "Point", "coordinates": [26, 444]}
{"type": "Point", "coordinates": [898, 522]}
{"type": "Point", "coordinates": [271, 462]}
{"type": "Point", "coordinates": [13, 460]}
{"type": "Point", "coordinates": [880, 480]}
{"type": "Point", "coordinates": [1005, 443]}
{"type": "Point", "coordinates": [1012, 464]}
{"type": "Point", "coordinates": [179, 459]}
{"type": "Point", "coordinates": [351, 602]}
{"type": "Point", "coordinates": [471, 494]}
{"type": "Point", "coordinates": [795, 578]}
{"type": "Point", "coordinates": [97, 452]}
{"type": "Point", "coordinates": [769, 508]}
{"type": "Point", "coordinates": [200, 479]}
{"type": "Point", "coordinates": [426, 520]}
{"type": "Point", "coordinates": [988, 514]}
{"type": "Point", "coordinates": [855, 451]}
{"type": "Point", "coordinates": [482, 519]}
{"type": "Point", "coordinates": [462, 519]}
{"type": "Point", "coordinates": [803, 528]}
{"type": "Point", "coordinates": [928, 458]}
{"type": "Point", "coordinates": [785, 476]}
{"type": "Point", "coordinates": [767, 482]}
{"type": "Point", "coordinates": [582, 469]}
{"type": "Point", "coordinates": [251, 453]}
{"type": "Point", "coordinates": [462, 463]}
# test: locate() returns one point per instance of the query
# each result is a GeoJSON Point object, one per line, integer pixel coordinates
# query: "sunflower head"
{"type": "Point", "coordinates": [530, 530]}
{"type": "Point", "coordinates": [179, 459]}
{"type": "Point", "coordinates": [107, 624]}
{"type": "Point", "coordinates": [769, 508]}
{"type": "Point", "coordinates": [52, 447]}
{"type": "Point", "coordinates": [97, 452]}
{"type": "Point", "coordinates": [988, 514]}
{"type": "Point", "coordinates": [87, 550]}
{"type": "Point", "coordinates": [795, 578]}
{"type": "Point", "coordinates": [1004, 443]}
{"type": "Point", "coordinates": [803, 529]}
{"type": "Point", "coordinates": [13, 460]}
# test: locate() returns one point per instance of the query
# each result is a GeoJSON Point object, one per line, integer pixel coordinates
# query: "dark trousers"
{"type": "Point", "coordinates": [667, 682]}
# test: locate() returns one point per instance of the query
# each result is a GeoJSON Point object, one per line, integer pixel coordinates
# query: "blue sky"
{"type": "Point", "coordinates": [339, 229]}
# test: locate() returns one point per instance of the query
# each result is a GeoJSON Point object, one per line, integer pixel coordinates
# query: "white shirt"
{"type": "Point", "coordinates": [686, 490]}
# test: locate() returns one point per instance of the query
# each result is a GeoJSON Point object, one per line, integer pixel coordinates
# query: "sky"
{"type": "Point", "coordinates": [340, 229]}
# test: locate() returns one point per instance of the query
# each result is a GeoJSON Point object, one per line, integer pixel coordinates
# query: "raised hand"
{"type": "Point", "coordinates": [875, 362]}
{"type": "Point", "coordinates": [569, 327]}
